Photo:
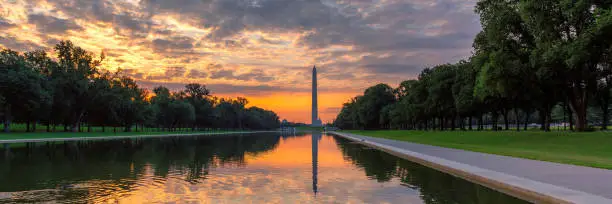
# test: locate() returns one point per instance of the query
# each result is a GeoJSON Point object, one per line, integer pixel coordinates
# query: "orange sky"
{"type": "Point", "coordinates": [259, 49]}
{"type": "Point", "coordinates": [296, 106]}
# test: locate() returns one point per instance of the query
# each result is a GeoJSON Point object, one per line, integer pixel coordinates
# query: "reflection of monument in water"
{"type": "Point", "coordinates": [316, 136]}
{"type": "Point", "coordinates": [316, 122]}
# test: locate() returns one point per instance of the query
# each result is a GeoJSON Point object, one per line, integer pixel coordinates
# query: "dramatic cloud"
{"type": "Point", "coordinates": [253, 47]}
{"type": "Point", "coordinates": [133, 26]}
{"type": "Point", "coordinates": [180, 43]}
{"type": "Point", "coordinates": [52, 25]}
{"type": "Point", "coordinates": [4, 24]}
{"type": "Point", "coordinates": [255, 75]}
{"type": "Point", "coordinates": [227, 89]}
{"type": "Point", "coordinates": [196, 74]}
{"type": "Point", "coordinates": [169, 73]}
{"type": "Point", "coordinates": [14, 43]}
{"type": "Point", "coordinates": [134, 73]}
{"type": "Point", "coordinates": [173, 72]}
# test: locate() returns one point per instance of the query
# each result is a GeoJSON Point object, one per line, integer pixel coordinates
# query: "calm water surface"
{"type": "Point", "coordinates": [251, 168]}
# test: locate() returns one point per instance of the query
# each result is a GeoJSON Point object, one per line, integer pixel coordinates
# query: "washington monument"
{"type": "Point", "coordinates": [316, 122]}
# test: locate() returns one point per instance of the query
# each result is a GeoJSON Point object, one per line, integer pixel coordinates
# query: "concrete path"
{"type": "Point", "coordinates": [593, 181]}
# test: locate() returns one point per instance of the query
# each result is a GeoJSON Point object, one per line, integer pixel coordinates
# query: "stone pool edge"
{"type": "Point", "coordinates": [61, 139]}
{"type": "Point", "coordinates": [522, 188]}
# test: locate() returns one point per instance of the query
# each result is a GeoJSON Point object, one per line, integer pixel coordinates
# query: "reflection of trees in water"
{"type": "Point", "coordinates": [376, 164]}
{"type": "Point", "coordinates": [434, 186]}
{"type": "Point", "coordinates": [117, 164]}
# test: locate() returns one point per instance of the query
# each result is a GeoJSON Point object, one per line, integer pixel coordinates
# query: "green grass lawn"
{"type": "Point", "coordinates": [308, 128]}
{"type": "Point", "coordinates": [592, 149]}
{"type": "Point", "coordinates": [42, 135]}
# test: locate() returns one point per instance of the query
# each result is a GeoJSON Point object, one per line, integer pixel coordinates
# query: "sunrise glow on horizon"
{"type": "Point", "coordinates": [263, 50]}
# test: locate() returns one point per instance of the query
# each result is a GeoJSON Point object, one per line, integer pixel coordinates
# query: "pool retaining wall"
{"type": "Point", "coordinates": [526, 189]}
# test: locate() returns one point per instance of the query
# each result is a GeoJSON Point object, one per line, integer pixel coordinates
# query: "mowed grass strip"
{"type": "Point", "coordinates": [592, 149]}
{"type": "Point", "coordinates": [44, 135]}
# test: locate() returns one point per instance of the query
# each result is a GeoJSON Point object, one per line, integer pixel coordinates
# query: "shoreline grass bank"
{"type": "Point", "coordinates": [593, 149]}
{"type": "Point", "coordinates": [70, 135]}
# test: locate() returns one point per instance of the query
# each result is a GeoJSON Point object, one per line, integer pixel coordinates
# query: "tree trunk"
{"type": "Point", "coordinates": [578, 104]}
{"type": "Point", "coordinates": [453, 123]}
{"type": "Point", "coordinates": [27, 126]}
{"type": "Point", "coordinates": [526, 120]}
{"type": "Point", "coordinates": [76, 126]}
{"type": "Point", "coordinates": [548, 120]}
{"type": "Point", "coordinates": [604, 122]}
{"type": "Point", "coordinates": [495, 119]}
{"type": "Point", "coordinates": [479, 123]}
{"type": "Point", "coordinates": [581, 120]}
{"type": "Point", "coordinates": [564, 117]}
{"type": "Point", "coordinates": [516, 116]}
{"type": "Point", "coordinates": [604, 105]}
{"type": "Point", "coordinates": [570, 118]}
{"type": "Point", "coordinates": [470, 123]}
{"type": "Point", "coordinates": [506, 122]}
{"type": "Point", "coordinates": [48, 127]}
{"type": "Point", "coordinates": [542, 119]}
{"type": "Point", "coordinates": [34, 126]}
{"type": "Point", "coordinates": [7, 118]}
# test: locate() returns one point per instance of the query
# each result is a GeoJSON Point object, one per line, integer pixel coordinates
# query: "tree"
{"type": "Point", "coordinates": [75, 89]}
{"type": "Point", "coordinates": [80, 68]}
{"type": "Point", "coordinates": [181, 113]}
{"type": "Point", "coordinates": [525, 52]}
{"type": "Point", "coordinates": [348, 117]}
{"type": "Point", "coordinates": [463, 92]}
{"type": "Point", "coordinates": [22, 89]}
{"type": "Point", "coordinates": [603, 91]}
{"type": "Point", "coordinates": [130, 103]}
{"type": "Point", "coordinates": [440, 98]}
{"type": "Point", "coordinates": [199, 97]}
{"type": "Point", "coordinates": [571, 38]}
{"type": "Point", "coordinates": [102, 111]}
{"type": "Point", "coordinates": [507, 44]}
{"type": "Point", "coordinates": [41, 85]}
{"type": "Point", "coordinates": [372, 102]}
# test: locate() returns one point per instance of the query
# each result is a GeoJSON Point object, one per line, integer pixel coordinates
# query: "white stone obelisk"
{"type": "Point", "coordinates": [315, 114]}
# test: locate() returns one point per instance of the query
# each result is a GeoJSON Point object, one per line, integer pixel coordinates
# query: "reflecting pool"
{"type": "Point", "coordinates": [249, 168]}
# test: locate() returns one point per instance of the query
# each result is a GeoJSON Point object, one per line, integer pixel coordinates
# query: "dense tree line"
{"type": "Point", "coordinates": [532, 57]}
{"type": "Point", "coordinates": [73, 91]}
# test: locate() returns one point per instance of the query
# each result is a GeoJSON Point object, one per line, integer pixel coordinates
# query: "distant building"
{"type": "Point", "coordinates": [316, 121]}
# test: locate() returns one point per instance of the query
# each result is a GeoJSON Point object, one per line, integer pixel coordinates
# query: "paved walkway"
{"type": "Point", "coordinates": [586, 179]}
